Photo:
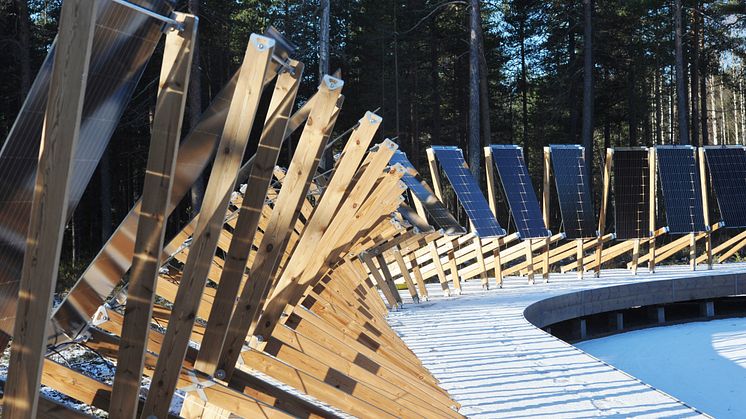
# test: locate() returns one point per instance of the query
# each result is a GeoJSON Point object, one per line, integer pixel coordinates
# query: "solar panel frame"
{"type": "Point", "coordinates": [727, 165]}
{"type": "Point", "coordinates": [678, 173]}
{"type": "Point", "coordinates": [573, 191]}
{"type": "Point", "coordinates": [422, 192]}
{"type": "Point", "coordinates": [467, 191]}
{"type": "Point", "coordinates": [519, 191]}
{"type": "Point", "coordinates": [631, 193]}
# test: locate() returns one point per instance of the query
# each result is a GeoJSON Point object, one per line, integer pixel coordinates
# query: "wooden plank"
{"type": "Point", "coordinates": [652, 183]}
{"type": "Point", "coordinates": [235, 136]}
{"type": "Point", "coordinates": [49, 207]}
{"type": "Point", "coordinates": [244, 232]}
{"type": "Point", "coordinates": [418, 277]}
{"type": "Point", "coordinates": [388, 278]}
{"type": "Point", "coordinates": [405, 276]}
{"type": "Point", "coordinates": [545, 211]}
{"type": "Point", "coordinates": [151, 227]}
{"type": "Point", "coordinates": [492, 199]}
{"type": "Point", "coordinates": [437, 188]}
{"type": "Point", "coordinates": [293, 193]}
{"type": "Point", "coordinates": [705, 205]}
{"type": "Point", "coordinates": [604, 205]}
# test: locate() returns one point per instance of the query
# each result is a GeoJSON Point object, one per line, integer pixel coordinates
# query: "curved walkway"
{"type": "Point", "coordinates": [497, 364]}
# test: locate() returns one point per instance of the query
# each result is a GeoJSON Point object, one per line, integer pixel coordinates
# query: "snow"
{"type": "Point", "coordinates": [496, 364]}
{"type": "Point", "coordinates": [702, 363]}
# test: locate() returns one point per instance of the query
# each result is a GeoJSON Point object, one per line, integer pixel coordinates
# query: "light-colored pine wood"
{"type": "Point", "coordinates": [62, 119]}
{"type": "Point", "coordinates": [490, 173]}
{"type": "Point", "coordinates": [604, 205]}
{"type": "Point", "coordinates": [545, 210]}
{"type": "Point", "coordinates": [244, 232]}
{"type": "Point", "coordinates": [151, 227]}
{"type": "Point", "coordinates": [235, 136]}
{"type": "Point", "coordinates": [705, 205]}
{"type": "Point", "coordinates": [405, 276]}
{"type": "Point", "coordinates": [418, 277]}
{"type": "Point", "coordinates": [291, 197]}
{"type": "Point", "coordinates": [652, 186]}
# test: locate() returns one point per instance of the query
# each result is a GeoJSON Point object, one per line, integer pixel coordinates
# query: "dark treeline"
{"type": "Point", "coordinates": [463, 72]}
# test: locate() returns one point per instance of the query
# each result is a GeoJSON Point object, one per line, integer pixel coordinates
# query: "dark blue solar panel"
{"type": "Point", "coordinates": [467, 190]}
{"type": "Point", "coordinates": [434, 208]}
{"type": "Point", "coordinates": [631, 193]}
{"type": "Point", "coordinates": [573, 191]}
{"type": "Point", "coordinates": [682, 192]}
{"type": "Point", "coordinates": [520, 193]}
{"type": "Point", "coordinates": [728, 173]}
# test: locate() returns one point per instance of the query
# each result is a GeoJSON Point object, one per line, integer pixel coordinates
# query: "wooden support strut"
{"type": "Point", "coordinates": [652, 184]}
{"type": "Point", "coordinates": [604, 206]}
{"type": "Point", "coordinates": [235, 136]}
{"type": "Point", "coordinates": [63, 115]}
{"type": "Point", "coordinates": [492, 200]}
{"type": "Point", "coordinates": [151, 228]}
{"type": "Point", "coordinates": [435, 176]}
{"type": "Point", "coordinates": [545, 203]}
{"type": "Point", "coordinates": [249, 215]}
{"type": "Point", "coordinates": [705, 205]}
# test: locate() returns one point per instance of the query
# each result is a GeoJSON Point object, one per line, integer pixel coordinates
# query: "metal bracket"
{"type": "Point", "coordinates": [198, 386]}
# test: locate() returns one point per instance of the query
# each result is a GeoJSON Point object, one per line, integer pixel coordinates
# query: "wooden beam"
{"type": "Point", "coordinates": [604, 205]}
{"type": "Point", "coordinates": [705, 205]}
{"type": "Point", "coordinates": [405, 276]}
{"type": "Point", "coordinates": [545, 210]}
{"type": "Point", "coordinates": [292, 195]}
{"type": "Point", "coordinates": [249, 215]}
{"type": "Point", "coordinates": [151, 227]}
{"type": "Point", "coordinates": [652, 184]}
{"type": "Point", "coordinates": [62, 118]}
{"type": "Point", "coordinates": [235, 136]}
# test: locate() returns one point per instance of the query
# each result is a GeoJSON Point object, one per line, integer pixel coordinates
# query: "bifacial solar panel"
{"type": "Point", "coordinates": [434, 208]}
{"type": "Point", "coordinates": [467, 190]}
{"type": "Point", "coordinates": [631, 193]}
{"type": "Point", "coordinates": [573, 191]}
{"type": "Point", "coordinates": [728, 173]}
{"type": "Point", "coordinates": [682, 191]}
{"type": "Point", "coordinates": [123, 43]}
{"type": "Point", "coordinates": [516, 182]}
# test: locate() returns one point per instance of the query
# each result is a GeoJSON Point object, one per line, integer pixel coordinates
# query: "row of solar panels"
{"type": "Point", "coordinates": [678, 172]}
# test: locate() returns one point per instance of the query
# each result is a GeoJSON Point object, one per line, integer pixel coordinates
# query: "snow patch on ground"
{"type": "Point", "coordinates": [703, 363]}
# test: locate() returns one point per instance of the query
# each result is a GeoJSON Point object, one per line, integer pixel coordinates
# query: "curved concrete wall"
{"type": "Point", "coordinates": [593, 301]}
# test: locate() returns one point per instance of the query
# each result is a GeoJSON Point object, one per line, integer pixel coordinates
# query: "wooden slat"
{"type": "Point", "coordinates": [227, 162]}
{"type": "Point", "coordinates": [292, 195]}
{"type": "Point", "coordinates": [249, 215]}
{"type": "Point", "coordinates": [604, 205]}
{"type": "Point", "coordinates": [49, 208]}
{"type": "Point", "coordinates": [151, 227]}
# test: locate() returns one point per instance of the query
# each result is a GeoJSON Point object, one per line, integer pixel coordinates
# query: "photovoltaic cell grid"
{"type": "Point", "coordinates": [518, 190]}
{"type": "Point", "coordinates": [728, 173]}
{"type": "Point", "coordinates": [573, 191]}
{"type": "Point", "coordinates": [437, 211]}
{"type": "Point", "coordinates": [123, 43]}
{"type": "Point", "coordinates": [682, 192]}
{"type": "Point", "coordinates": [631, 194]}
{"type": "Point", "coordinates": [467, 190]}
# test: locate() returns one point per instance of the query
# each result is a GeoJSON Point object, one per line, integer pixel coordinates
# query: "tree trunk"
{"type": "Point", "coordinates": [694, 79]}
{"type": "Point", "coordinates": [681, 93]}
{"type": "Point", "coordinates": [524, 90]}
{"type": "Point", "coordinates": [658, 110]}
{"type": "Point", "coordinates": [195, 110]}
{"type": "Point", "coordinates": [24, 41]}
{"type": "Point", "coordinates": [324, 39]}
{"type": "Point", "coordinates": [723, 122]}
{"type": "Point", "coordinates": [715, 132]}
{"type": "Point", "coordinates": [474, 142]}
{"type": "Point", "coordinates": [435, 82]}
{"type": "Point", "coordinates": [484, 93]}
{"type": "Point", "coordinates": [703, 93]}
{"type": "Point", "coordinates": [735, 117]}
{"type": "Point", "coordinates": [588, 87]}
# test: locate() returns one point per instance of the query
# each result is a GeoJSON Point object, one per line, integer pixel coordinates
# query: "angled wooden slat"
{"type": "Point", "coordinates": [49, 208]}
{"type": "Point", "coordinates": [151, 227]}
{"type": "Point", "coordinates": [249, 215]}
{"type": "Point", "coordinates": [604, 205]}
{"type": "Point", "coordinates": [227, 162]}
{"type": "Point", "coordinates": [291, 196]}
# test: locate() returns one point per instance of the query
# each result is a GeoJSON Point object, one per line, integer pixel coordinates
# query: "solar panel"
{"type": "Point", "coordinates": [467, 190]}
{"type": "Point", "coordinates": [573, 191]}
{"type": "Point", "coordinates": [682, 192]}
{"type": "Point", "coordinates": [434, 208]}
{"type": "Point", "coordinates": [524, 206]}
{"type": "Point", "coordinates": [728, 173]}
{"type": "Point", "coordinates": [631, 193]}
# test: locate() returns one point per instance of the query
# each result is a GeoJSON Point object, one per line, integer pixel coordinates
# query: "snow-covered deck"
{"type": "Point", "coordinates": [497, 364]}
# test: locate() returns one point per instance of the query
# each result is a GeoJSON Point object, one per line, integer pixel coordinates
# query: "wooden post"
{"type": "Point", "coordinates": [545, 210]}
{"type": "Point", "coordinates": [418, 276]}
{"type": "Point", "coordinates": [604, 205]}
{"type": "Point", "coordinates": [480, 262]}
{"type": "Point", "coordinates": [705, 205]}
{"type": "Point", "coordinates": [64, 110]}
{"type": "Point", "coordinates": [235, 136]}
{"type": "Point", "coordinates": [151, 227]}
{"type": "Point", "coordinates": [693, 251]}
{"type": "Point", "coordinates": [579, 256]}
{"type": "Point", "coordinates": [405, 276]}
{"type": "Point", "coordinates": [529, 260]}
{"type": "Point", "coordinates": [454, 268]}
{"type": "Point", "coordinates": [434, 175]}
{"type": "Point", "coordinates": [652, 184]}
{"type": "Point", "coordinates": [635, 255]}
{"type": "Point", "coordinates": [492, 200]}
